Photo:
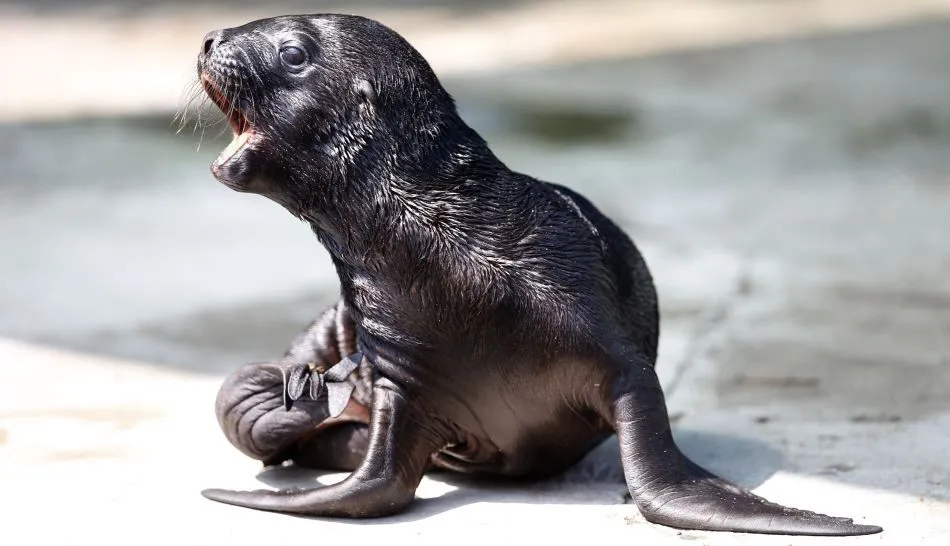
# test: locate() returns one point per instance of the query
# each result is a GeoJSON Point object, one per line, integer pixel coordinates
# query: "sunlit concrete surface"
{"type": "Point", "coordinates": [791, 197]}
{"type": "Point", "coordinates": [110, 451]}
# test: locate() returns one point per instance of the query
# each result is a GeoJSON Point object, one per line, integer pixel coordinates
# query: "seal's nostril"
{"type": "Point", "coordinates": [211, 39]}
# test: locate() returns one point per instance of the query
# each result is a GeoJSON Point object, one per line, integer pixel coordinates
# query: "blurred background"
{"type": "Point", "coordinates": [784, 165]}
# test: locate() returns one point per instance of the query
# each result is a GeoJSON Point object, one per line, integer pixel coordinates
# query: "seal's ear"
{"type": "Point", "coordinates": [367, 93]}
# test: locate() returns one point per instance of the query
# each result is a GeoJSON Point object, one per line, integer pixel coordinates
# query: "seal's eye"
{"type": "Point", "coordinates": [293, 56]}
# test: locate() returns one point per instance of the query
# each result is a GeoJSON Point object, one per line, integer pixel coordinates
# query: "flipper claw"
{"type": "Point", "coordinates": [333, 382]}
{"type": "Point", "coordinates": [296, 381]}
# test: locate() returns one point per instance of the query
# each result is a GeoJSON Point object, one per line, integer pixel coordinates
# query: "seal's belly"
{"type": "Point", "coordinates": [525, 432]}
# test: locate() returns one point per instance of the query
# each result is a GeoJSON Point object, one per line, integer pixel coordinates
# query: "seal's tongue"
{"type": "Point", "coordinates": [234, 147]}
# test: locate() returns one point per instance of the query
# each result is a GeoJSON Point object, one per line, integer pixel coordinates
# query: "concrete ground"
{"type": "Point", "coordinates": [791, 197]}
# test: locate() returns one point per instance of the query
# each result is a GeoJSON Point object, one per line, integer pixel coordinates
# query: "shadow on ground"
{"type": "Point", "coordinates": [598, 479]}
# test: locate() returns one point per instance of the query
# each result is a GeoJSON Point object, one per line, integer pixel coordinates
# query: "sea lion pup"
{"type": "Point", "coordinates": [508, 325]}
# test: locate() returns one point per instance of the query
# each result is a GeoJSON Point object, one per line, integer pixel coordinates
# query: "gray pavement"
{"type": "Point", "coordinates": [791, 198]}
{"type": "Point", "coordinates": [134, 57]}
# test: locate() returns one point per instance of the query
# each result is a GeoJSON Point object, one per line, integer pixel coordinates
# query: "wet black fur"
{"type": "Point", "coordinates": [510, 326]}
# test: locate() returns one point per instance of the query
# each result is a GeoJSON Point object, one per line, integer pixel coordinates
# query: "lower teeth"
{"type": "Point", "coordinates": [235, 145]}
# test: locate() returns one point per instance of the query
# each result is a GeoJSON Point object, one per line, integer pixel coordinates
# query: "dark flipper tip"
{"type": "Point", "coordinates": [211, 494]}
{"type": "Point", "coordinates": [712, 504]}
{"type": "Point", "coordinates": [809, 524]}
{"type": "Point", "coordinates": [342, 369]}
{"type": "Point", "coordinates": [779, 522]}
{"type": "Point", "coordinates": [865, 529]}
{"type": "Point", "coordinates": [297, 378]}
{"type": "Point", "coordinates": [338, 396]}
{"type": "Point", "coordinates": [223, 495]}
{"type": "Point", "coordinates": [260, 499]}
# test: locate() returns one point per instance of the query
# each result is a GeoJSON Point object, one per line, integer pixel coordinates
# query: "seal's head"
{"type": "Point", "coordinates": [316, 101]}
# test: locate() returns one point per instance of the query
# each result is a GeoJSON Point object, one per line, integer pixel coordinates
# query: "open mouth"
{"type": "Point", "coordinates": [240, 126]}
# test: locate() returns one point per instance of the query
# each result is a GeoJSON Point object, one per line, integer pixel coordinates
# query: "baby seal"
{"type": "Point", "coordinates": [497, 324]}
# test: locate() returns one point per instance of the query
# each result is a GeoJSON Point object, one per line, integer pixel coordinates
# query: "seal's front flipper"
{"type": "Point", "coordinates": [383, 484]}
{"type": "Point", "coordinates": [671, 490]}
{"type": "Point", "coordinates": [251, 410]}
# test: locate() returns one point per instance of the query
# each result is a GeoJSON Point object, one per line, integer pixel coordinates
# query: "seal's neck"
{"type": "Point", "coordinates": [422, 201]}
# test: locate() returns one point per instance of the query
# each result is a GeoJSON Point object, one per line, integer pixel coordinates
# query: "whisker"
{"type": "Point", "coordinates": [183, 100]}
{"type": "Point", "coordinates": [199, 122]}
{"type": "Point", "coordinates": [193, 102]}
{"type": "Point", "coordinates": [228, 96]}
{"type": "Point", "coordinates": [252, 115]}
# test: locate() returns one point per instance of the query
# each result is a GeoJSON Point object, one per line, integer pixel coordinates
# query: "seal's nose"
{"type": "Point", "coordinates": [211, 39]}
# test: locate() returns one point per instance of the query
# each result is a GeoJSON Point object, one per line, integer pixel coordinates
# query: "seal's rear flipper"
{"type": "Point", "coordinates": [671, 490]}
